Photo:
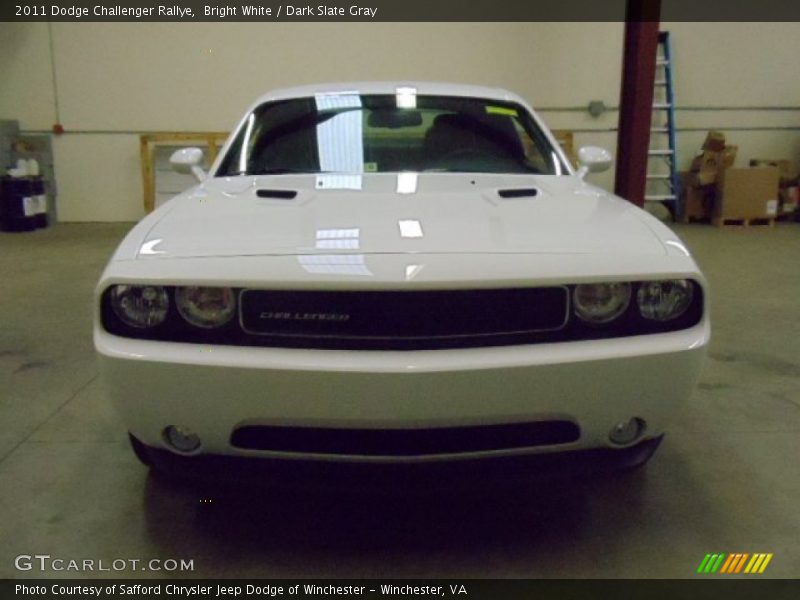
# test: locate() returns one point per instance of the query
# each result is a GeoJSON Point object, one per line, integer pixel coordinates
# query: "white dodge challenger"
{"type": "Point", "coordinates": [394, 273]}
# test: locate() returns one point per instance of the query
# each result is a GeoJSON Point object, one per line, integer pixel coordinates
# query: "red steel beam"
{"type": "Point", "coordinates": [636, 98]}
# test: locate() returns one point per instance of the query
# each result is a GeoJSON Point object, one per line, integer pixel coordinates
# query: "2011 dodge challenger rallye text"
{"type": "Point", "coordinates": [395, 273]}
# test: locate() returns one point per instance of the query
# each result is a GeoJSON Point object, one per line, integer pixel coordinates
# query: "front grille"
{"type": "Point", "coordinates": [404, 442]}
{"type": "Point", "coordinates": [395, 315]}
{"type": "Point", "coordinates": [401, 320]}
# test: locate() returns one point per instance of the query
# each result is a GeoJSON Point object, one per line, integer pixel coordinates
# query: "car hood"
{"type": "Point", "coordinates": [432, 213]}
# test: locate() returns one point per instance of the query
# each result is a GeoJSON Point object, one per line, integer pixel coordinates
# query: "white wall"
{"type": "Point", "coordinates": [115, 81]}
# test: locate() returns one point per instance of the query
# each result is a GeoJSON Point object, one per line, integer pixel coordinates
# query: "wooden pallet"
{"type": "Point", "coordinates": [741, 222]}
{"type": "Point", "coordinates": [696, 219]}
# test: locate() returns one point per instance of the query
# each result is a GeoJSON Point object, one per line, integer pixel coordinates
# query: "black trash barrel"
{"type": "Point", "coordinates": [40, 202]}
{"type": "Point", "coordinates": [17, 206]}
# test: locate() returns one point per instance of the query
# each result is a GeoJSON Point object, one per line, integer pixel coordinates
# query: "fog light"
{"type": "Point", "coordinates": [181, 440]}
{"type": "Point", "coordinates": [627, 432]}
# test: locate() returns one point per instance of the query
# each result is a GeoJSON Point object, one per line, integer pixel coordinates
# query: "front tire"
{"type": "Point", "coordinates": [645, 451]}
{"type": "Point", "coordinates": [141, 451]}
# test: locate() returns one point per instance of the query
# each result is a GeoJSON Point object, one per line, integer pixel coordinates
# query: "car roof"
{"type": "Point", "coordinates": [390, 87]}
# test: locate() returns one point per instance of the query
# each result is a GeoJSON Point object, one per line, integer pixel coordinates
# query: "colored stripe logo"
{"type": "Point", "coordinates": [737, 562]}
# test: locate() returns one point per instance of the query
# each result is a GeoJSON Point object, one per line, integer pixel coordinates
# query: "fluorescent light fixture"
{"type": "Point", "coordinates": [323, 234]}
{"type": "Point", "coordinates": [334, 264]}
{"type": "Point", "coordinates": [410, 228]}
{"type": "Point", "coordinates": [340, 139]}
{"type": "Point", "coordinates": [331, 181]}
{"type": "Point", "coordinates": [348, 244]}
{"type": "Point", "coordinates": [344, 99]}
{"type": "Point", "coordinates": [406, 183]}
{"type": "Point", "coordinates": [406, 97]}
{"type": "Point", "coordinates": [338, 239]}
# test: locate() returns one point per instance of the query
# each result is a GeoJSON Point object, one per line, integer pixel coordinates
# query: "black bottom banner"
{"type": "Point", "coordinates": [472, 589]}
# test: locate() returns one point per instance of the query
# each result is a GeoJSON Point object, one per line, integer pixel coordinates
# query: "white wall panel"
{"type": "Point", "coordinates": [139, 77]}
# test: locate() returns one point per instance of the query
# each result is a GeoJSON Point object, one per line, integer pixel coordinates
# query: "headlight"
{"type": "Point", "coordinates": [600, 303]}
{"type": "Point", "coordinates": [664, 300]}
{"type": "Point", "coordinates": [140, 306]}
{"type": "Point", "coordinates": [206, 307]}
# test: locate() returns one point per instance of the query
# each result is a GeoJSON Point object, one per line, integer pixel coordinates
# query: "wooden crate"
{"type": "Point", "coordinates": [697, 203]}
{"type": "Point", "coordinates": [211, 140]}
{"type": "Point", "coordinates": [566, 140]}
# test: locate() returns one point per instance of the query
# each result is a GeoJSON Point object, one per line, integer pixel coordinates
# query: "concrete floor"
{"type": "Point", "coordinates": [725, 480]}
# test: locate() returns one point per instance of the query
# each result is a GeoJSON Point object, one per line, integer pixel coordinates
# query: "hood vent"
{"type": "Point", "coordinates": [279, 194]}
{"type": "Point", "coordinates": [518, 193]}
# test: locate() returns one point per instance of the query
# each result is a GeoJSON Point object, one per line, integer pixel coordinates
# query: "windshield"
{"type": "Point", "coordinates": [354, 133]}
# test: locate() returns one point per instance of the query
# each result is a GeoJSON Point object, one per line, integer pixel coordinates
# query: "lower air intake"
{"type": "Point", "coordinates": [404, 442]}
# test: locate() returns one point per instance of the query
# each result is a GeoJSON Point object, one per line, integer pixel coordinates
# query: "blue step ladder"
{"type": "Point", "coordinates": [662, 159]}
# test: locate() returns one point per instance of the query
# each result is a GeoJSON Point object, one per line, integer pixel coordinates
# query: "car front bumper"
{"type": "Point", "coordinates": [477, 474]}
{"type": "Point", "coordinates": [213, 390]}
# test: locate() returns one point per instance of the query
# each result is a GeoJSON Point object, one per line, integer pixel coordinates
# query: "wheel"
{"type": "Point", "coordinates": [641, 456]}
{"type": "Point", "coordinates": [141, 451]}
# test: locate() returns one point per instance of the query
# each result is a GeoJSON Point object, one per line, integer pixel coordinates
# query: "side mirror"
{"type": "Point", "coordinates": [593, 160]}
{"type": "Point", "coordinates": [188, 160]}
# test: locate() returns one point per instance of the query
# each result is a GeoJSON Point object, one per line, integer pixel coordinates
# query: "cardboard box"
{"type": "Point", "coordinates": [787, 173]}
{"type": "Point", "coordinates": [706, 161]}
{"type": "Point", "coordinates": [750, 193]}
{"type": "Point", "coordinates": [714, 158]}
{"type": "Point", "coordinates": [728, 156]}
{"type": "Point", "coordinates": [707, 165]}
{"type": "Point", "coordinates": [698, 202]}
{"type": "Point", "coordinates": [715, 141]}
{"type": "Point", "coordinates": [790, 199]}
{"type": "Point", "coordinates": [703, 178]}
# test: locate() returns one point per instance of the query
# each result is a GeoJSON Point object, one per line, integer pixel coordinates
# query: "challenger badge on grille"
{"type": "Point", "coordinates": [303, 316]}
{"type": "Point", "coordinates": [403, 315]}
